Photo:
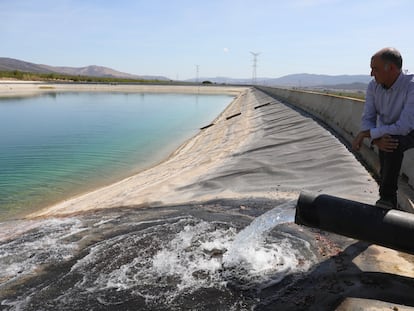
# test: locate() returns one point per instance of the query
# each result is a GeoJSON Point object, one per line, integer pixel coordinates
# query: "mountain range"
{"type": "Point", "coordinates": [355, 82]}
{"type": "Point", "coordinates": [11, 64]}
{"type": "Point", "coordinates": [301, 80]}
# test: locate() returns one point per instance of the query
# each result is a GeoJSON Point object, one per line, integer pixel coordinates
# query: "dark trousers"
{"type": "Point", "coordinates": [390, 167]}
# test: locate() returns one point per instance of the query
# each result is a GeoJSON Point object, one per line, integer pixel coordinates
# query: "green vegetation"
{"type": "Point", "coordinates": [30, 76]}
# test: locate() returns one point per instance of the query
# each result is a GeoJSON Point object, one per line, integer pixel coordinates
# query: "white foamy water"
{"type": "Point", "coordinates": [171, 259]}
{"type": "Point", "coordinates": [249, 246]}
{"type": "Point", "coordinates": [197, 254]}
{"type": "Point", "coordinates": [156, 262]}
{"type": "Point", "coordinates": [254, 256]}
{"type": "Point", "coordinates": [42, 242]}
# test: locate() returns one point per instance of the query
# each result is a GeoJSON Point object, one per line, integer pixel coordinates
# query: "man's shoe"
{"type": "Point", "coordinates": [384, 204]}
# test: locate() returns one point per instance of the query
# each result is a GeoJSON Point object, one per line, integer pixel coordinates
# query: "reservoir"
{"type": "Point", "coordinates": [218, 232]}
{"type": "Point", "coordinates": [57, 145]}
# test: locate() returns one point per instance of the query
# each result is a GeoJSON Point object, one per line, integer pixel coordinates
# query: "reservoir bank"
{"type": "Point", "coordinates": [173, 236]}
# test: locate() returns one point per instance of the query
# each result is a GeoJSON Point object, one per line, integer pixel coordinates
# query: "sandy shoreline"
{"type": "Point", "coordinates": [30, 88]}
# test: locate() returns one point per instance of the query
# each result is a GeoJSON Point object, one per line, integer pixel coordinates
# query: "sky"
{"type": "Point", "coordinates": [178, 38]}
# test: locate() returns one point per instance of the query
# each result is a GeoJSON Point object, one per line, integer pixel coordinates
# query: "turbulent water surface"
{"type": "Point", "coordinates": [204, 257]}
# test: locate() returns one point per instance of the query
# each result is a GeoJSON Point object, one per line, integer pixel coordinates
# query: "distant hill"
{"type": "Point", "coordinates": [11, 64]}
{"type": "Point", "coordinates": [299, 80]}
{"type": "Point", "coordinates": [293, 80]}
{"type": "Point", "coordinates": [305, 79]}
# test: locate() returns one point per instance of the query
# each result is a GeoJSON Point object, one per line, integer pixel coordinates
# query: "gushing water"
{"type": "Point", "coordinates": [248, 246]}
{"type": "Point", "coordinates": [252, 249]}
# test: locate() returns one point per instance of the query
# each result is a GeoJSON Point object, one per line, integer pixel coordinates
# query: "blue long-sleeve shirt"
{"type": "Point", "coordinates": [389, 111]}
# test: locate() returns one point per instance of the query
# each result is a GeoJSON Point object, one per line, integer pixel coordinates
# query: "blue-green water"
{"type": "Point", "coordinates": [61, 144]}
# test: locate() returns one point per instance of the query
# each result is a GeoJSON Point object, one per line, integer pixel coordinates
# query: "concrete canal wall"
{"type": "Point", "coordinates": [342, 114]}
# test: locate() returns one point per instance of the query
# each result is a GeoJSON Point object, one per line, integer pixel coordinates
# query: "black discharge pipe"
{"type": "Point", "coordinates": [390, 228]}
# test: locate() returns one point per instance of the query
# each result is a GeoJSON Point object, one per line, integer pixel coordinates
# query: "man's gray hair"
{"type": "Point", "coordinates": [390, 55]}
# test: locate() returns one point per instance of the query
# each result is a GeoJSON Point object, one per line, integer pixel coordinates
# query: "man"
{"type": "Point", "coordinates": [388, 119]}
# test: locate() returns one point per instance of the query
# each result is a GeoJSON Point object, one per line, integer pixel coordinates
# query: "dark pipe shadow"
{"type": "Point", "coordinates": [333, 280]}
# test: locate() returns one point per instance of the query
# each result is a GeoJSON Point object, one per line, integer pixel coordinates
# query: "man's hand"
{"type": "Point", "coordinates": [386, 143]}
{"type": "Point", "coordinates": [357, 143]}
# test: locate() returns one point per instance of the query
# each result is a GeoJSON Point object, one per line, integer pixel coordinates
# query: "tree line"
{"type": "Point", "coordinates": [31, 76]}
